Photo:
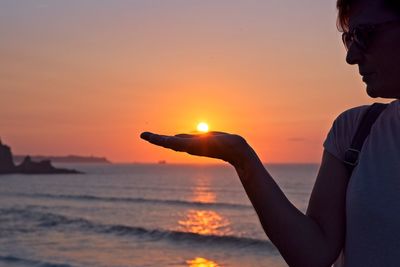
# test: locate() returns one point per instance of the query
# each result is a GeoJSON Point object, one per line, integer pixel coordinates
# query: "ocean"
{"type": "Point", "coordinates": [140, 215]}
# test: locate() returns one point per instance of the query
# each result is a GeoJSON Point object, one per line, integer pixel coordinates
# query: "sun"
{"type": "Point", "coordinates": [202, 127]}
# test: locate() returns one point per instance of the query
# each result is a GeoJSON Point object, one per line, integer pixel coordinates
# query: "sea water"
{"type": "Point", "coordinates": [140, 215]}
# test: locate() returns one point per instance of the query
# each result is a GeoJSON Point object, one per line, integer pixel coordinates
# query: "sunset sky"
{"type": "Point", "coordinates": [87, 77]}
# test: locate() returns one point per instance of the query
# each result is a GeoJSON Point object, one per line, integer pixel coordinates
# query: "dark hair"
{"type": "Point", "coordinates": [343, 7]}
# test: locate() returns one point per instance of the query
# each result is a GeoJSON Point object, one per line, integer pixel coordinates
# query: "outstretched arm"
{"type": "Point", "coordinates": [308, 240]}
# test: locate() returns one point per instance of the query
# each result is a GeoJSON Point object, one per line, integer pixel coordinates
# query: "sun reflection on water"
{"type": "Point", "coordinates": [201, 262]}
{"type": "Point", "coordinates": [202, 192]}
{"type": "Point", "coordinates": [205, 222]}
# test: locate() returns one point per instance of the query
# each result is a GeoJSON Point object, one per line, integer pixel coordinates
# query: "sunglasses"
{"type": "Point", "coordinates": [362, 35]}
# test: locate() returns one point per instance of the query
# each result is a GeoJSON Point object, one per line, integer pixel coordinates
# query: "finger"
{"type": "Point", "coordinates": [178, 143]}
{"type": "Point", "coordinates": [145, 135]}
{"type": "Point", "coordinates": [185, 135]}
{"type": "Point", "coordinates": [217, 133]}
{"type": "Point", "coordinates": [195, 145]}
{"type": "Point", "coordinates": [171, 142]}
{"type": "Point", "coordinates": [157, 139]}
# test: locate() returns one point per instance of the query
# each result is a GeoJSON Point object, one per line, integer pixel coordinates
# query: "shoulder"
{"type": "Point", "coordinates": [343, 129]}
{"type": "Point", "coordinates": [346, 124]}
{"type": "Point", "coordinates": [352, 116]}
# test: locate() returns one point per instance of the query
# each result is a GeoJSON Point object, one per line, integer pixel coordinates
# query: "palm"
{"type": "Point", "coordinates": [228, 147]}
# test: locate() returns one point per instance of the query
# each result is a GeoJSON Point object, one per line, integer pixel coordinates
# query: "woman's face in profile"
{"type": "Point", "coordinates": [379, 60]}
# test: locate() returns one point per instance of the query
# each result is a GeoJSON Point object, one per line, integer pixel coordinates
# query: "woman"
{"type": "Point", "coordinates": [359, 216]}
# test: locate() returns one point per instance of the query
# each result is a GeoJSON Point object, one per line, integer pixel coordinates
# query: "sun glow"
{"type": "Point", "coordinates": [201, 262]}
{"type": "Point", "coordinates": [202, 127]}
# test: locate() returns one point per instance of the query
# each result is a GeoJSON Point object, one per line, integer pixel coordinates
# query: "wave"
{"type": "Point", "coordinates": [30, 262]}
{"type": "Point", "coordinates": [178, 236]}
{"type": "Point", "coordinates": [49, 221]}
{"type": "Point", "coordinates": [142, 200]}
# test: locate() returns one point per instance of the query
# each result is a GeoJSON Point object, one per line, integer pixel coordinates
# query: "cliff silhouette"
{"type": "Point", "coordinates": [7, 165]}
{"type": "Point", "coordinates": [65, 159]}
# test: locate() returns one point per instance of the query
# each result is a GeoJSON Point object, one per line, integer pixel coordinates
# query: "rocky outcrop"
{"type": "Point", "coordinates": [27, 166]}
{"type": "Point", "coordinates": [42, 167]}
{"type": "Point", "coordinates": [65, 159]}
{"type": "Point", "coordinates": [6, 160]}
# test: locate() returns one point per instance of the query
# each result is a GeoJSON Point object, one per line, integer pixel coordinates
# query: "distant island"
{"type": "Point", "coordinates": [65, 159]}
{"type": "Point", "coordinates": [27, 166]}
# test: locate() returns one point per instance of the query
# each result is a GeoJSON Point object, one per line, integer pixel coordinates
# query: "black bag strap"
{"type": "Point", "coordinates": [369, 118]}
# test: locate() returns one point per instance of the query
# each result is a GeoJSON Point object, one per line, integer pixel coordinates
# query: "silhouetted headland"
{"type": "Point", "coordinates": [65, 159]}
{"type": "Point", "coordinates": [7, 165]}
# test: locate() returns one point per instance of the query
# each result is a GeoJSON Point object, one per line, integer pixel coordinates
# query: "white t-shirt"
{"type": "Point", "coordinates": [373, 193]}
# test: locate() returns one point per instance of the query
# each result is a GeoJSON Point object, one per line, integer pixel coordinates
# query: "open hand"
{"type": "Point", "coordinates": [228, 147]}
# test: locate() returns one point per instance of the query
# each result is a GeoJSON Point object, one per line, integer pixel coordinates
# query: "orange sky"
{"type": "Point", "coordinates": [86, 78]}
